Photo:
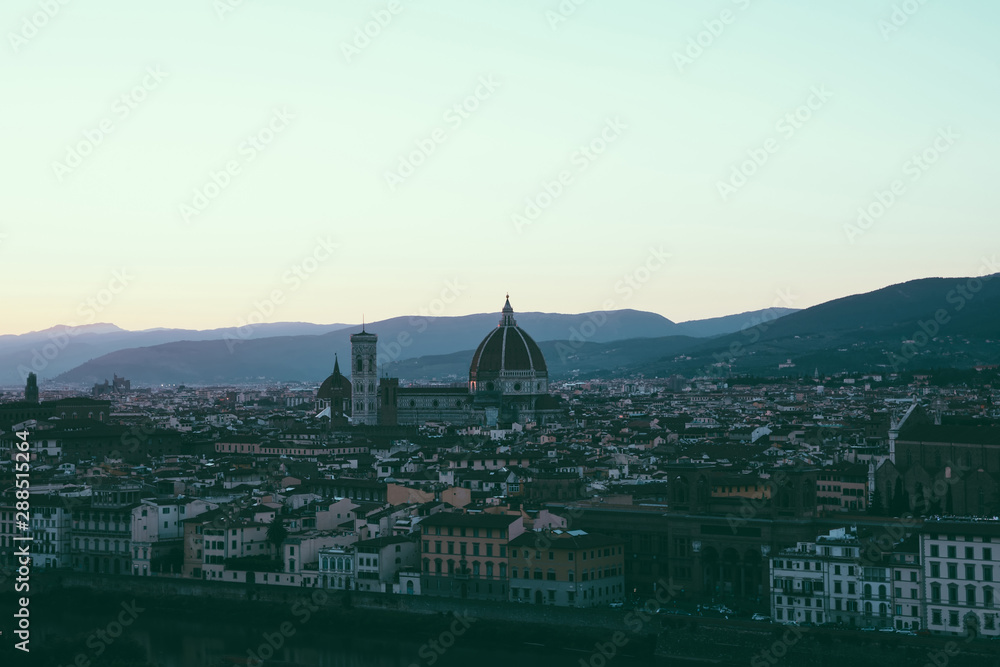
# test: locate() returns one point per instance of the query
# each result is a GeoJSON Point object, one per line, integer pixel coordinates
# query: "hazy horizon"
{"type": "Point", "coordinates": [182, 164]}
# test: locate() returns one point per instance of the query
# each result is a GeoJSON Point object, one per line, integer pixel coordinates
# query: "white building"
{"type": "Point", "coordinates": [51, 525]}
{"type": "Point", "coordinates": [826, 581]}
{"type": "Point", "coordinates": [960, 571]}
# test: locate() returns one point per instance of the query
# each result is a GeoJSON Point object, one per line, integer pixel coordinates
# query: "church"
{"type": "Point", "coordinates": [508, 382]}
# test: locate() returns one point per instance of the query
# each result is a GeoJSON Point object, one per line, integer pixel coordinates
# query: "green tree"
{"type": "Point", "coordinates": [276, 532]}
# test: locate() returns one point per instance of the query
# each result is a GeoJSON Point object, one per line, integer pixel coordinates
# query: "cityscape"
{"type": "Point", "coordinates": [842, 503]}
{"type": "Point", "coordinates": [561, 333]}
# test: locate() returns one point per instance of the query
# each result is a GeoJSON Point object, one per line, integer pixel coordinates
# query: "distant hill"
{"type": "Point", "coordinates": [565, 359]}
{"type": "Point", "coordinates": [310, 357]}
{"type": "Point", "coordinates": [865, 332]}
{"type": "Point", "coordinates": [719, 326]}
{"type": "Point", "coordinates": [61, 348]}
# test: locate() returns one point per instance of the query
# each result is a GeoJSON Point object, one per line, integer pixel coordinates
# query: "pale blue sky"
{"type": "Point", "coordinates": [450, 222]}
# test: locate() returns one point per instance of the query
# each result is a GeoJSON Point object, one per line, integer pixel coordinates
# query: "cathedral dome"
{"type": "Point", "coordinates": [335, 386]}
{"type": "Point", "coordinates": [507, 352]}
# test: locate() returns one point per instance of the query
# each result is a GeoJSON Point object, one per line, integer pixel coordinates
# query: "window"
{"type": "Point", "coordinates": [935, 551]}
{"type": "Point", "coordinates": [953, 593]}
{"type": "Point", "coordinates": [953, 619]}
{"type": "Point", "coordinates": [953, 570]}
{"type": "Point", "coordinates": [970, 595]}
{"type": "Point", "coordinates": [970, 553]}
{"type": "Point", "coordinates": [935, 569]}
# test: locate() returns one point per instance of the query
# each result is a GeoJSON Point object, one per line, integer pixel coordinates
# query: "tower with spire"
{"type": "Point", "coordinates": [364, 377]}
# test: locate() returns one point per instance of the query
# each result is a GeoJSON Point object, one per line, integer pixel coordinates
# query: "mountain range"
{"type": "Point", "coordinates": [927, 323]}
{"type": "Point", "coordinates": [300, 351]}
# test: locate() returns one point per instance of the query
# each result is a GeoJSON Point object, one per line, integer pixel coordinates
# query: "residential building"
{"type": "Point", "coordinates": [566, 568]}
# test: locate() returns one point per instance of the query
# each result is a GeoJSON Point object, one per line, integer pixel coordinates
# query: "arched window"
{"type": "Point", "coordinates": [360, 365]}
{"type": "Point", "coordinates": [868, 590]}
{"type": "Point", "coordinates": [881, 592]}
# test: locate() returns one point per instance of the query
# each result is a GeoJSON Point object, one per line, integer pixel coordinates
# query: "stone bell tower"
{"type": "Point", "coordinates": [364, 377]}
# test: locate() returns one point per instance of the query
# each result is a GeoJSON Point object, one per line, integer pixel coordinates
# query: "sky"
{"type": "Point", "coordinates": [202, 163]}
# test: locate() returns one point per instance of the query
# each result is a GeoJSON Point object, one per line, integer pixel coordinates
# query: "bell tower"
{"type": "Point", "coordinates": [364, 377]}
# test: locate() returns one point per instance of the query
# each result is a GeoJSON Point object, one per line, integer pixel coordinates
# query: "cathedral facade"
{"type": "Point", "coordinates": [508, 382]}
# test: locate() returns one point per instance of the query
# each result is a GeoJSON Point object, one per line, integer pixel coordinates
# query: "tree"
{"type": "Point", "coordinates": [875, 504]}
{"type": "Point", "coordinates": [899, 504]}
{"type": "Point", "coordinates": [276, 532]}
